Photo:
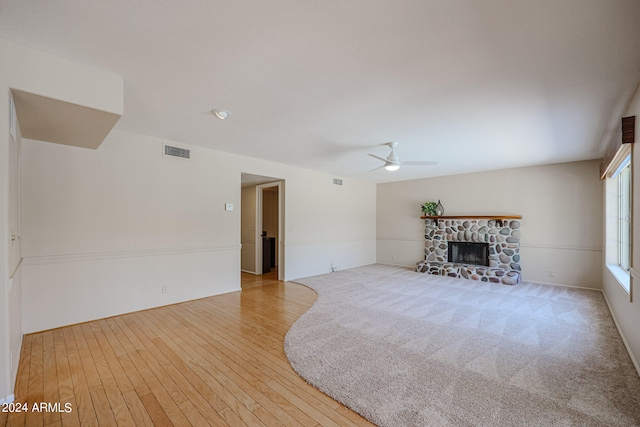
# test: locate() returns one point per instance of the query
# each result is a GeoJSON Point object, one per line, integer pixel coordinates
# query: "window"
{"type": "Point", "coordinates": [618, 223]}
{"type": "Point", "coordinates": [624, 216]}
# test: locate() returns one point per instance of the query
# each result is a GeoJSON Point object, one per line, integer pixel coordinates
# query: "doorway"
{"type": "Point", "coordinates": [262, 217]}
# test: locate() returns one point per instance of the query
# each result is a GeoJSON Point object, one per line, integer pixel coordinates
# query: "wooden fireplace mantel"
{"type": "Point", "coordinates": [472, 217]}
{"type": "Point", "coordinates": [495, 217]}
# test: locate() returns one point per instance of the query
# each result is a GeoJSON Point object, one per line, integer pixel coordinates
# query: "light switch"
{"type": "Point", "coordinates": [228, 207]}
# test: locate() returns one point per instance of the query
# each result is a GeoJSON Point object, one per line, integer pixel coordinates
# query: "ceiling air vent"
{"type": "Point", "coordinates": [177, 152]}
{"type": "Point", "coordinates": [337, 181]}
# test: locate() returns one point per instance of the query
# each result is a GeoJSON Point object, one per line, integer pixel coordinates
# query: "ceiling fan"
{"type": "Point", "coordinates": [393, 163]}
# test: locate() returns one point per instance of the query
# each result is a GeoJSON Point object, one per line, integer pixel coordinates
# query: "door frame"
{"type": "Point", "coordinates": [280, 246]}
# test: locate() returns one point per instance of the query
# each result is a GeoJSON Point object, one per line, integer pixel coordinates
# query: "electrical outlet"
{"type": "Point", "coordinates": [551, 273]}
{"type": "Point", "coordinates": [165, 289]}
{"type": "Point", "coordinates": [393, 257]}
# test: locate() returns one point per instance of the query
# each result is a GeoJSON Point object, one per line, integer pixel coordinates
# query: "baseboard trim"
{"type": "Point", "coordinates": [7, 399]}
{"type": "Point", "coordinates": [561, 284]}
{"type": "Point", "coordinates": [399, 265]}
{"type": "Point", "coordinates": [624, 340]}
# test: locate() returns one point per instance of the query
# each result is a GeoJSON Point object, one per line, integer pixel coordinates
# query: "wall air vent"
{"type": "Point", "coordinates": [337, 181]}
{"type": "Point", "coordinates": [177, 152]}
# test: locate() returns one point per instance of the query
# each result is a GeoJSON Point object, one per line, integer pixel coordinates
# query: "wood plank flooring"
{"type": "Point", "coordinates": [217, 361]}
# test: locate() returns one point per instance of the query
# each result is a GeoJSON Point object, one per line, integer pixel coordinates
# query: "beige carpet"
{"type": "Point", "coordinates": [411, 349]}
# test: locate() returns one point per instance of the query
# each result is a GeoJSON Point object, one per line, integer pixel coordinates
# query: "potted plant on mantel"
{"type": "Point", "coordinates": [429, 208]}
{"type": "Point", "coordinates": [432, 208]}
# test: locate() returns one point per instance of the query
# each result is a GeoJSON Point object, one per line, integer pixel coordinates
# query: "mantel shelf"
{"type": "Point", "coordinates": [472, 217]}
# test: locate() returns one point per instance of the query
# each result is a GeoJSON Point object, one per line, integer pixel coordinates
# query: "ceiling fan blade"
{"type": "Point", "coordinates": [379, 158]}
{"type": "Point", "coordinates": [375, 169]}
{"type": "Point", "coordinates": [419, 163]}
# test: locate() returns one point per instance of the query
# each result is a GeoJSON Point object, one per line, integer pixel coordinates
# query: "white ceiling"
{"type": "Point", "coordinates": [472, 84]}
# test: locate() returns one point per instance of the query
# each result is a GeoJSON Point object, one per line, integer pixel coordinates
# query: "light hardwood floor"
{"type": "Point", "coordinates": [215, 361]}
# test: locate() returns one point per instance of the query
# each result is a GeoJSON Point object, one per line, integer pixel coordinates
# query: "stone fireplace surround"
{"type": "Point", "coordinates": [502, 235]}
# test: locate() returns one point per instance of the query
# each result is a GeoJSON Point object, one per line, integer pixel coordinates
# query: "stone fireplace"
{"type": "Point", "coordinates": [476, 248]}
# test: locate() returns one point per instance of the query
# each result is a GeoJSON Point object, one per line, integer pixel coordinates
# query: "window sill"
{"type": "Point", "coordinates": [622, 276]}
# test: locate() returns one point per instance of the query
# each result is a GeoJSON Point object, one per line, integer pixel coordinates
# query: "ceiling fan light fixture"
{"type": "Point", "coordinates": [221, 114]}
{"type": "Point", "coordinates": [393, 163]}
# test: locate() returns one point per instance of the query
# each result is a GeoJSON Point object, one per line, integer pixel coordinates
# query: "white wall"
{"type": "Point", "coordinates": [327, 224]}
{"type": "Point", "coordinates": [6, 379]}
{"type": "Point", "coordinates": [625, 311]}
{"type": "Point", "coordinates": [104, 230]}
{"type": "Point", "coordinates": [47, 75]}
{"type": "Point", "coordinates": [561, 206]}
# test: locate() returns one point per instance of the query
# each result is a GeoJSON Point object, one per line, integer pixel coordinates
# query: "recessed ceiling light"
{"type": "Point", "coordinates": [221, 114]}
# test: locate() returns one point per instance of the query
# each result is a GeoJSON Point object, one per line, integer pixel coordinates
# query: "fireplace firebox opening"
{"type": "Point", "coordinates": [468, 253]}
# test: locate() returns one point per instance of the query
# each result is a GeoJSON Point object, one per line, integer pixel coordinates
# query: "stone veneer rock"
{"type": "Point", "coordinates": [503, 237]}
